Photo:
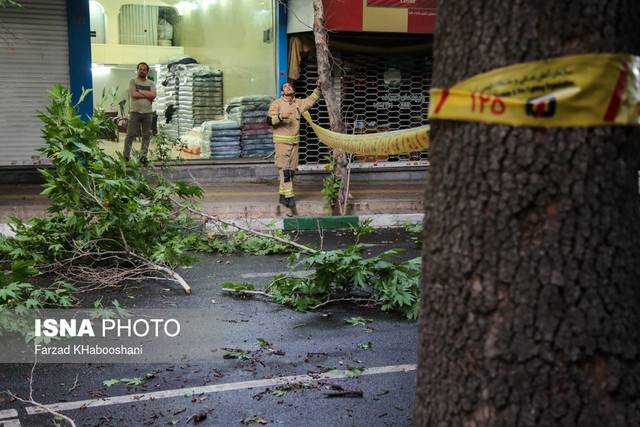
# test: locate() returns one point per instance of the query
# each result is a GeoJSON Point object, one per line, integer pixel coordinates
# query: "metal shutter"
{"type": "Point", "coordinates": [378, 93]}
{"type": "Point", "coordinates": [138, 24]}
{"type": "Point", "coordinates": [34, 54]}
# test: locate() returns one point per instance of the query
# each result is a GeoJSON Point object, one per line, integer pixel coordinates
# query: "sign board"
{"type": "Point", "coordinates": [407, 4]}
{"type": "Point", "coordinates": [392, 16]}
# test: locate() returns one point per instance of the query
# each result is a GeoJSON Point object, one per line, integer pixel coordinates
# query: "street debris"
{"type": "Point", "coordinates": [345, 393]}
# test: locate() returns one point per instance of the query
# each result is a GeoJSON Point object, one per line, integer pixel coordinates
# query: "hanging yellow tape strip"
{"type": "Point", "coordinates": [580, 90]}
{"type": "Point", "coordinates": [571, 91]}
{"type": "Point", "coordinates": [384, 143]}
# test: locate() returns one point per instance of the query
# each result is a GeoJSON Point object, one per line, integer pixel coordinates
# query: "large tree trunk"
{"type": "Point", "coordinates": [331, 96]}
{"type": "Point", "coordinates": [531, 281]}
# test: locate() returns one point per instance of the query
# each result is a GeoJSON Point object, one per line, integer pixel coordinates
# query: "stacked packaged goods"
{"type": "Point", "coordinates": [257, 140]}
{"type": "Point", "coordinates": [224, 136]}
{"type": "Point", "coordinates": [199, 95]}
{"type": "Point", "coordinates": [166, 102]}
{"type": "Point", "coordinates": [251, 113]}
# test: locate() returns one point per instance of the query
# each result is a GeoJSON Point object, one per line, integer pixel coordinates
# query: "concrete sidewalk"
{"type": "Point", "coordinates": [254, 200]}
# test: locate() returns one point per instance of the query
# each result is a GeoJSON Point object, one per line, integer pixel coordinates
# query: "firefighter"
{"type": "Point", "coordinates": [285, 115]}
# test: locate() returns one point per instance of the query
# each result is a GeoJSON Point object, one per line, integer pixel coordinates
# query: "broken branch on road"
{"type": "Point", "coordinates": [215, 219]}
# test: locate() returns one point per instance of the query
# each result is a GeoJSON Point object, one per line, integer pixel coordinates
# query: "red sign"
{"type": "Point", "coordinates": [422, 21]}
{"type": "Point", "coordinates": [406, 4]}
{"type": "Point", "coordinates": [348, 15]}
{"type": "Point", "coordinates": [343, 15]}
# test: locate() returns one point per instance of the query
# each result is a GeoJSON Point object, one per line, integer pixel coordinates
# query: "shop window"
{"type": "Point", "coordinates": [203, 55]}
{"type": "Point", "coordinates": [138, 24]}
{"type": "Point", "coordinates": [147, 25]}
{"type": "Point", "coordinates": [168, 21]}
{"type": "Point", "coordinates": [97, 22]}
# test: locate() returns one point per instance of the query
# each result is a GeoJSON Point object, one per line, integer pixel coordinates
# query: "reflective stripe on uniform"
{"type": "Point", "coordinates": [286, 191]}
{"type": "Point", "coordinates": [286, 138]}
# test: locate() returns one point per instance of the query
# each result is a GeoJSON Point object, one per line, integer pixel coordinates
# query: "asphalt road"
{"type": "Point", "coordinates": [226, 391]}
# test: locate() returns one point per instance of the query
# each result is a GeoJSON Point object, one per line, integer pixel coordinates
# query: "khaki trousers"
{"type": "Point", "coordinates": [287, 163]}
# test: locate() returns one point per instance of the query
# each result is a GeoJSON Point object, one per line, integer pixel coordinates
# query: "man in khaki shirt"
{"type": "Point", "coordinates": [284, 115]}
{"type": "Point", "coordinates": [143, 92]}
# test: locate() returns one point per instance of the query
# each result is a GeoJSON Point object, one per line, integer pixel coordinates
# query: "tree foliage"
{"type": "Point", "coordinates": [106, 212]}
{"type": "Point", "coordinates": [99, 202]}
{"type": "Point", "coordinates": [110, 220]}
{"type": "Point", "coordinates": [240, 241]}
{"type": "Point", "coordinates": [345, 274]}
{"type": "Point", "coordinates": [10, 3]}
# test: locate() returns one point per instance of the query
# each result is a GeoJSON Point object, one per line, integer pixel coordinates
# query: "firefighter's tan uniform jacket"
{"type": "Point", "coordinates": [286, 137]}
{"type": "Point", "coordinates": [288, 130]}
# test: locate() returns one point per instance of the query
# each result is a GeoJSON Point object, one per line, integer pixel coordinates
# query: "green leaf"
{"type": "Point", "coordinates": [110, 382]}
{"type": "Point", "coordinates": [237, 286]}
{"type": "Point", "coordinates": [232, 353]}
{"type": "Point", "coordinates": [254, 420]}
{"type": "Point", "coordinates": [66, 156]}
{"type": "Point", "coordinates": [280, 392]}
{"type": "Point", "coordinates": [9, 292]}
{"type": "Point", "coordinates": [135, 381]}
{"type": "Point", "coordinates": [121, 312]}
{"type": "Point", "coordinates": [81, 147]}
{"type": "Point", "coordinates": [32, 303]}
{"type": "Point", "coordinates": [83, 95]}
{"type": "Point", "coordinates": [358, 321]}
{"type": "Point", "coordinates": [263, 343]}
{"type": "Point", "coordinates": [365, 346]}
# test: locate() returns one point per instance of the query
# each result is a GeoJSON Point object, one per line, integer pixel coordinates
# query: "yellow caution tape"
{"type": "Point", "coordinates": [383, 143]}
{"type": "Point", "coordinates": [580, 90]}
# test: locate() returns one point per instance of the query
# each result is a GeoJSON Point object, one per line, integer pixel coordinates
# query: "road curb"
{"type": "Point", "coordinates": [326, 222]}
{"type": "Point", "coordinates": [307, 223]}
{"type": "Point", "coordinates": [320, 222]}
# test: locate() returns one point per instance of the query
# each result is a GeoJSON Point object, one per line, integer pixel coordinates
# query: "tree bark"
{"type": "Point", "coordinates": [531, 301]}
{"type": "Point", "coordinates": [330, 94]}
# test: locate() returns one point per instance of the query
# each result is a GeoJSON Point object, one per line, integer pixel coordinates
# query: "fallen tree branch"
{"type": "Point", "coordinates": [365, 301]}
{"type": "Point", "coordinates": [370, 301]}
{"type": "Point", "coordinates": [175, 276]}
{"type": "Point", "coordinates": [247, 292]}
{"type": "Point", "coordinates": [34, 403]}
{"type": "Point", "coordinates": [75, 384]}
{"type": "Point", "coordinates": [246, 229]}
{"type": "Point", "coordinates": [103, 269]}
{"type": "Point", "coordinates": [43, 407]}
{"type": "Point", "coordinates": [169, 272]}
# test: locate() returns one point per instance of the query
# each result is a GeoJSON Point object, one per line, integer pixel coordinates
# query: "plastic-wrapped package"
{"type": "Point", "coordinates": [225, 137]}
{"type": "Point", "coordinates": [195, 93]}
{"type": "Point", "coordinates": [251, 113]}
{"type": "Point", "coordinates": [165, 32]}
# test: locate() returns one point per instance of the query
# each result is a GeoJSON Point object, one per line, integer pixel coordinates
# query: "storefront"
{"type": "Point", "coordinates": [239, 50]}
{"type": "Point", "coordinates": [383, 53]}
{"type": "Point", "coordinates": [34, 55]}
{"type": "Point", "coordinates": [203, 54]}
{"type": "Point", "coordinates": [96, 44]}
